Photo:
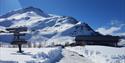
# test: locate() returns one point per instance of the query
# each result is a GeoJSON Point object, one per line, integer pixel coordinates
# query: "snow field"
{"type": "Point", "coordinates": [30, 55]}
{"type": "Point", "coordinates": [101, 54]}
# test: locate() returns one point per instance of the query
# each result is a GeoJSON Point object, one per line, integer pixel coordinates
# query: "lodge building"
{"type": "Point", "coordinates": [107, 40]}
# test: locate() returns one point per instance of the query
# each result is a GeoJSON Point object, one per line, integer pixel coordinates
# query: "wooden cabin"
{"type": "Point", "coordinates": [97, 40]}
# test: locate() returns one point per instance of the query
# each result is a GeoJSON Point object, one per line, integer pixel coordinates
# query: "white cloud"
{"type": "Point", "coordinates": [114, 22]}
{"type": "Point", "coordinates": [111, 30]}
{"type": "Point", "coordinates": [120, 34]}
{"type": "Point", "coordinates": [107, 31]}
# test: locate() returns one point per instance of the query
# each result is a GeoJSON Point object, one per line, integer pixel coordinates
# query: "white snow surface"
{"type": "Point", "coordinates": [30, 55]}
{"type": "Point", "coordinates": [72, 57]}
{"type": "Point", "coordinates": [101, 54]}
{"type": "Point", "coordinates": [77, 54]}
{"type": "Point", "coordinates": [122, 42]}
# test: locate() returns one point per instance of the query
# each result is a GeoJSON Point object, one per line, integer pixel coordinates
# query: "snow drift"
{"type": "Point", "coordinates": [30, 55]}
{"type": "Point", "coordinates": [101, 54]}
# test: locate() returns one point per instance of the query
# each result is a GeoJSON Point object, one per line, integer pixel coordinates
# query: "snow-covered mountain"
{"type": "Point", "coordinates": [43, 27]}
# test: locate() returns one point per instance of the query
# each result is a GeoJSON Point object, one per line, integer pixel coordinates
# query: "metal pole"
{"type": "Point", "coordinates": [19, 46]}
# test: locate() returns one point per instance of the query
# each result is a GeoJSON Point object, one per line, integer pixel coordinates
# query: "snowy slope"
{"type": "Point", "coordinates": [44, 27]}
{"type": "Point", "coordinates": [30, 55]}
{"type": "Point", "coordinates": [101, 54]}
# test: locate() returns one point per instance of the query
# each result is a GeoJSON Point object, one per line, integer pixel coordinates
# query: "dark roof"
{"type": "Point", "coordinates": [98, 38]}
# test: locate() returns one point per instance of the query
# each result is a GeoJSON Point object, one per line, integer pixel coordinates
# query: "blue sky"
{"type": "Point", "coordinates": [97, 13]}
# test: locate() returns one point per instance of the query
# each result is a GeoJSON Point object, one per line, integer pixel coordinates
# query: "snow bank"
{"type": "Point", "coordinates": [30, 55]}
{"type": "Point", "coordinates": [47, 57]}
{"type": "Point", "coordinates": [101, 54]}
{"type": "Point", "coordinates": [122, 42]}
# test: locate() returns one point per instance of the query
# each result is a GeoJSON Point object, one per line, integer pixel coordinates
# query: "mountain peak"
{"type": "Point", "coordinates": [24, 10]}
{"type": "Point", "coordinates": [44, 27]}
{"type": "Point", "coordinates": [31, 9]}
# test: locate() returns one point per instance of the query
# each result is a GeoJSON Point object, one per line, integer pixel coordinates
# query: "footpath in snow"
{"type": "Point", "coordinates": [72, 57]}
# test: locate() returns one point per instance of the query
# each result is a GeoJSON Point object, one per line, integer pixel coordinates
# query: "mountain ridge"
{"type": "Point", "coordinates": [23, 10]}
{"type": "Point", "coordinates": [49, 28]}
